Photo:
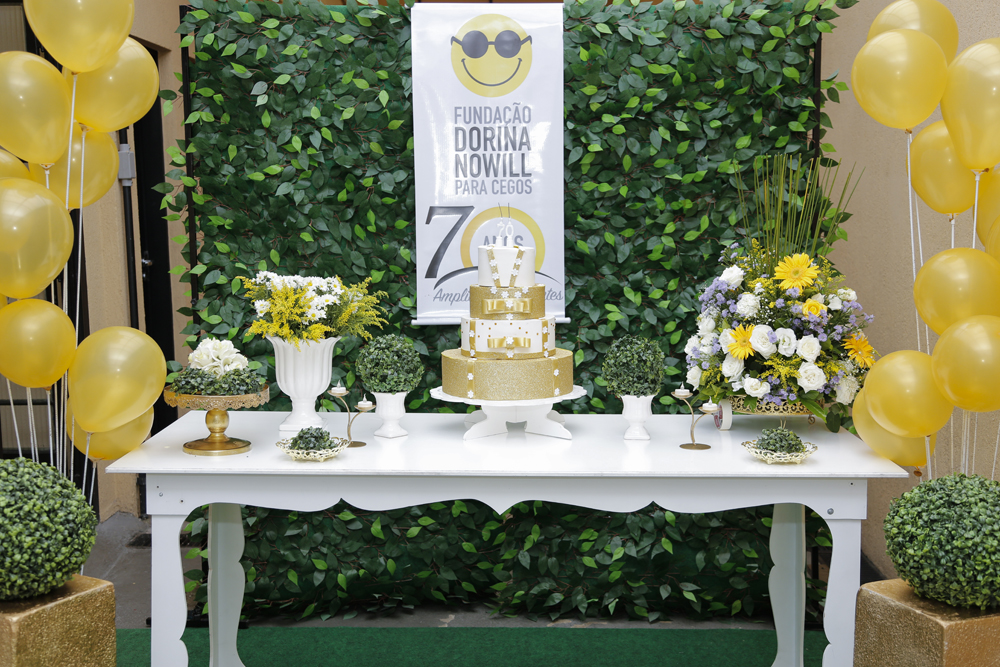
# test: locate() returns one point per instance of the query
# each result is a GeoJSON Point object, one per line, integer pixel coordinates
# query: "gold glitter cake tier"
{"type": "Point", "coordinates": [507, 379]}
{"type": "Point", "coordinates": [507, 303]}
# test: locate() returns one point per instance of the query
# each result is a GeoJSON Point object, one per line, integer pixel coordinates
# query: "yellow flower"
{"type": "Point", "coordinates": [740, 347]}
{"type": "Point", "coordinates": [859, 350]}
{"type": "Point", "coordinates": [796, 271]}
{"type": "Point", "coordinates": [812, 307]}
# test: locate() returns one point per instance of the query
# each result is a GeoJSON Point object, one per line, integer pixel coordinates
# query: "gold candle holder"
{"type": "Point", "coordinates": [706, 409]}
{"type": "Point", "coordinates": [217, 420]}
{"type": "Point", "coordinates": [340, 392]}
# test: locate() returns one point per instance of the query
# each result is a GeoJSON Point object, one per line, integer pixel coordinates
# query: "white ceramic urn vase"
{"type": "Point", "coordinates": [303, 373]}
{"type": "Point", "coordinates": [636, 410]}
{"type": "Point", "coordinates": [390, 407]}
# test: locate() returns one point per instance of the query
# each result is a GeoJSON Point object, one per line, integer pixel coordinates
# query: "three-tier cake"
{"type": "Point", "coordinates": [508, 348]}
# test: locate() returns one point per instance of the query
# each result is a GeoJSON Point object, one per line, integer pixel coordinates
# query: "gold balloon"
{"type": "Point", "coordinates": [939, 177]}
{"type": "Point", "coordinates": [993, 241]}
{"type": "Point", "coordinates": [956, 284]}
{"type": "Point", "coordinates": [80, 34]}
{"type": "Point", "coordinates": [927, 16]}
{"type": "Point", "coordinates": [971, 104]}
{"type": "Point", "coordinates": [34, 106]}
{"type": "Point", "coordinates": [11, 166]}
{"type": "Point", "coordinates": [119, 92]}
{"type": "Point", "coordinates": [117, 374]}
{"type": "Point", "coordinates": [100, 168]}
{"type": "Point", "coordinates": [901, 451]}
{"type": "Point", "coordinates": [966, 363]}
{"type": "Point", "coordinates": [901, 395]}
{"type": "Point", "coordinates": [898, 77]}
{"type": "Point", "coordinates": [989, 204]}
{"type": "Point", "coordinates": [38, 342]}
{"type": "Point", "coordinates": [113, 444]}
{"type": "Point", "coordinates": [36, 237]}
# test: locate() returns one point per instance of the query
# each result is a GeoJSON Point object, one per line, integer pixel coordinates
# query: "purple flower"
{"type": "Point", "coordinates": [773, 337]}
{"type": "Point", "coordinates": [780, 303]}
{"type": "Point", "coordinates": [793, 292]}
{"type": "Point", "coordinates": [704, 365]}
{"type": "Point", "coordinates": [821, 337]}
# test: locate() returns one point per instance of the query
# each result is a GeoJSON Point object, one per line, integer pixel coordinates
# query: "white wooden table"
{"type": "Point", "coordinates": [597, 469]}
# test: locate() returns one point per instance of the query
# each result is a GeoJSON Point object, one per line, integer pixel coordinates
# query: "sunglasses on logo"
{"type": "Point", "coordinates": [475, 44]}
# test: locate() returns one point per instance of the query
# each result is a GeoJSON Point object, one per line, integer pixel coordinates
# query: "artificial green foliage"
{"type": "Point", "coordinates": [780, 440]}
{"type": "Point", "coordinates": [232, 383]}
{"type": "Point", "coordinates": [540, 559]}
{"type": "Point", "coordinates": [389, 364]}
{"type": "Point", "coordinates": [312, 439]}
{"type": "Point", "coordinates": [47, 529]}
{"type": "Point", "coordinates": [633, 366]}
{"type": "Point", "coordinates": [943, 537]}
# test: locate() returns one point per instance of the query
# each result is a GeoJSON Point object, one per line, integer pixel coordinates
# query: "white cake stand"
{"type": "Point", "coordinates": [537, 414]}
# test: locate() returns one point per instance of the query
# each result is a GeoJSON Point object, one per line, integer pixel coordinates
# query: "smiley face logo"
{"type": "Point", "coordinates": [491, 55]}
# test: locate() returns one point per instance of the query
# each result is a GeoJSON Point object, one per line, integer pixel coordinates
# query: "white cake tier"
{"type": "Point", "coordinates": [505, 256]}
{"type": "Point", "coordinates": [528, 337]}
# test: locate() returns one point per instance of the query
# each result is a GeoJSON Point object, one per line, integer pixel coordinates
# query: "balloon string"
{"type": "Point", "coordinates": [31, 426]}
{"type": "Point", "coordinates": [913, 248]}
{"type": "Point", "coordinates": [86, 460]}
{"type": "Point", "coordinates": [927, 453]}
{"type": "Point", "coordinates": [951, 219]}
{"type": "Point", "coordinates": [47, 184]}
{"type": "Point", "coordinates": [965, 441]}
{"type": "Point", "coordinates": [69, 151]}
{"type": "Point", "coordinates": [17, 435]}
{"type": "Point", "coordinates": [951, 441]}
{"type": "Point", "coordinates": [72, 458]}
{"type": "Point", "coordinates": [975, 208]}
{"type": "Point", "coordinates": [48, 413]}
{"type": "Point", "coordinates": [79, 254]}
{"type": "Point", "coordinates": [975, 438]}
{"type": "Point", "coordinates": [993, 473]}
{"type": "Point", "coordinates": [93, 482]}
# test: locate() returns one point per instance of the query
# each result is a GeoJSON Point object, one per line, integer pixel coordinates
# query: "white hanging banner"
{"type": "Point", "coordinates": [488, 146]}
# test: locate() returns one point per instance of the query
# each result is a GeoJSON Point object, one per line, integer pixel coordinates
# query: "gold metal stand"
{"type": "Point", "coordinates": [217, 420]}
{"type": "Point", "coordinates": [706, 409]}
{"type": "Point", "coordinates": [339, 392]}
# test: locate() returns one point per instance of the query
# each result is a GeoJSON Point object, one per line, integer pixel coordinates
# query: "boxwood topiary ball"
{"type": "Point", "coordinates": [46, 529]}
{"type": "Point", "coordinates": [389, 364]}
{"type": "Point", "coordinates": [944, 539]}
{"type": "Point", "coordinates": [633, 366]}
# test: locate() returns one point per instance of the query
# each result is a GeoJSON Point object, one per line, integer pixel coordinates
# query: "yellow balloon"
{"type": "Point", "coordinates": [989, 204]}
{"type": "Point", "coordinates": [11, 166]}
{"type": "Point", "coordinates": [956, 284]}
{"type": "Point", "coordinates": [966, 363]}
{"type": "Point", "coordinates": [36, 237]}
{"type": "Point", "coordinates": [99, 153]}
{"type": "Point", "coordinates": [902, 396]}
{"type": "Point", "coordinates": [80, 34]}
{"type": "Point", "coordinates": [119, 92]}
{"type": "Point", "coordinates": [898, 77]}
{"type": "Point", "coordinates": [901, 451]}
{"type": "Point", "coordinates": [117, 374]}
{"type": "Point", "coordinates": [939, 177]}
{"type": "Point", "coordinates": [993, 241]}
{"type": "Point", "coordinates": [971, 104]}
{"type": "Point", "coordinates": [38, 342]}
{"type": "Point", "coordinates": [927, 16]}
{"type": "Point", "coordinates": [34, 106]}
{"type": "Point", "coordinates": [113, 444]}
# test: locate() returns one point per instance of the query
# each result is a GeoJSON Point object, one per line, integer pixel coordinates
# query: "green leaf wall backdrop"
{"type": "Point", "coordinates": [301, 161]}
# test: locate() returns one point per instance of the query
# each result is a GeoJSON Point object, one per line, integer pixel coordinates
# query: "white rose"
{"type": "Point", "coordinates": [847, 389]}
{"type": "Point", "coordinates": [786, 341]}
{"type": "Point", "coordinates": [758, 288]}
{"type": "Point", "coordinates": [733, 276]}
{"type": "Point", "coordinates": [810, 376]}
{"type": "Point", "coordinates": [706, 324]}
{"type": "Point", "coordinates": [694, 377]}
{"type": "Point", "coordinates": [217, 356]}
{"type": "Point", "coordinates": [760, 340]}
{"type": "Point", "coordinates": [818, 298]}
{"type": "Point", "coordinates": [808, 348]}
{"type": "Point", "coordinates": [748, 305]}
{"type": "Point", "coordinates": [847, 295]}
{"type": "Point", "coordinates": [726, 339]}
{"type": "Point", "coordinates": [707, 342]}
{"type": "Point", "coordinates": [756, 388]}
{"type": "Point", "coordinates": [732, 367]}
{"type": "Point", "coordinates": [738, 385]}
{"type": "Point", "coordinates": [835, 303]}
{"type": "Point", "coordinates": [692, 345]}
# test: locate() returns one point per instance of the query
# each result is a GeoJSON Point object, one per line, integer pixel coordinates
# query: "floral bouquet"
{"type": "Point", "coordinates": [297, 308]}
{"type": "Point", "coordinates": [787, 334]}
{"type": "Point", "coordinates": [216, 368]}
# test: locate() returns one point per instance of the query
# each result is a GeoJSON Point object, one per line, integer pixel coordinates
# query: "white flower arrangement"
{"type": "Point", "coordinates": [217, 357]}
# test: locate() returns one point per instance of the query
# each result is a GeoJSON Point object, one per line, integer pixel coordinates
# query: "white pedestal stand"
{"type": "Point", "coordinates": [537, 414]}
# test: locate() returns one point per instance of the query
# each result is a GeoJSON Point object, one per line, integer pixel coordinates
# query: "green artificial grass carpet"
{"type": "Point", "coordinates": [484, 647]}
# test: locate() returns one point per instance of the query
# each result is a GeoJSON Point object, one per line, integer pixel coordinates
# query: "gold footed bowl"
{"type": "Point", "coordinates": [216, 419]}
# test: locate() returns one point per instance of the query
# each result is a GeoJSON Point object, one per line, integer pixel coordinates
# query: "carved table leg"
{"type": "Point", "coordinates": [787, 582]}
{"type": "Point", "coordinates": [225, 582]}
{"type": "Point", "coordinates": [169, 613]}
{"type": "Point", "coordinates": [842, 592]}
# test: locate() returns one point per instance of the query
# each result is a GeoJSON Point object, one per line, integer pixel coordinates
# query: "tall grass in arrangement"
{"type": "Point", "coordinates": [791, 208]}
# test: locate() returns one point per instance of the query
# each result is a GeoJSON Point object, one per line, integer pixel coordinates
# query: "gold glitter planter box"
{"type": "Point", "coordinates": [72, 625]}
{"type": "Point", "coordinates": [507, 379]}
{"type": "Point", "coordinates": [895, 628]}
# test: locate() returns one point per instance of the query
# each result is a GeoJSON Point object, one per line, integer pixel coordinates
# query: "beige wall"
{"type": "Point", "coordinates": [877, 259]}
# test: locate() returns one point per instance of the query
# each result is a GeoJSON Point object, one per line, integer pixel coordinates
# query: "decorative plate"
{"type": "Point", "coordinates": [315, 454]}
{"type": "Point", "coordinates": [779, 457]}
